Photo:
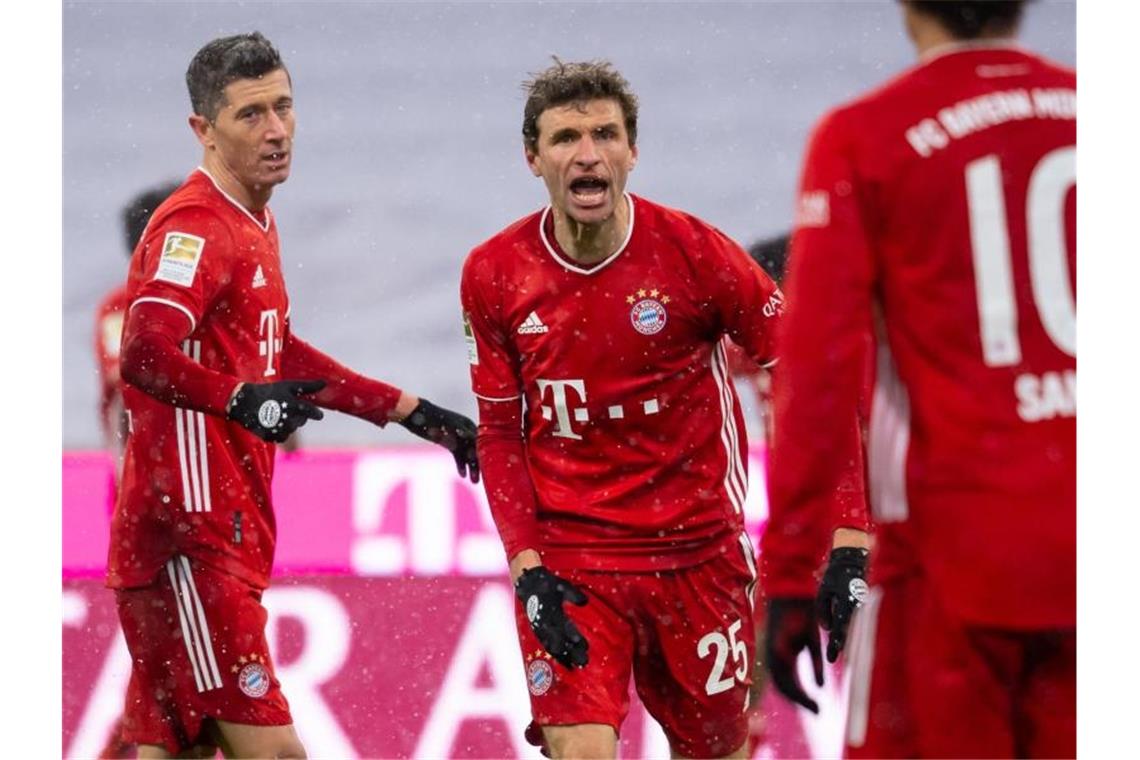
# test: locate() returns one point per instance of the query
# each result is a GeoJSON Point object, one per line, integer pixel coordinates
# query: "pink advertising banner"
{"type": "Point", "coordinates": [389, 512]}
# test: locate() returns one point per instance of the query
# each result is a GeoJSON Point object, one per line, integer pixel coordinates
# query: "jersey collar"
{"type": "Point", "coordinates": [566, 263]}
{"type": "Point", "coordinates": [268, 214]}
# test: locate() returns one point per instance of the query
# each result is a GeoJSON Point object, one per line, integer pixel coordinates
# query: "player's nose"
{"type": "Point", "coordinates": [276, 128]}
{"type": "Point", "coordinates": [587, 153]}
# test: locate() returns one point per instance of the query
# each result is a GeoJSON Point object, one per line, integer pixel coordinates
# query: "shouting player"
{"type": "Point", "coordinates": [940, 207]}
{"type": "Point", "coordinates": [214, 378]}
{"type": "Point", "coordinates": [610, 435]}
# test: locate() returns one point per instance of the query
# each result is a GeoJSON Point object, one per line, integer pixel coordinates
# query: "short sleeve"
{"type": "Point", "coordinates": [493, 361]}
{"type": "Point", "coordinates": [186, 260]}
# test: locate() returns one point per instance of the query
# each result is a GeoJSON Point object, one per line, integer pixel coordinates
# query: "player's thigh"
{"type": "Point", "coordinates": [584, 740]}
{"type": "Point", "coordinates": [159, 714]}
{"type": "Point", "coordinates": [599, 692]}
{"type": "Point", "coordinates": [198, 649]}
{"type": "Point", "coordinates": [1047, 705]}
{"type": "Point", "coordinates": [700, 621]}
{"type": "Point", "coordinates": [961, 680]}
{"type": "Point", "coordinates": [241, 740]}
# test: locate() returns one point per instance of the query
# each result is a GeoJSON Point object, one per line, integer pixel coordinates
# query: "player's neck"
{"type": "Point", "coordinates": [254, 199]}
{"type": "Point", "coordinates": [590, 243]}
{"type": "Point", "coordinates": [929, 35]}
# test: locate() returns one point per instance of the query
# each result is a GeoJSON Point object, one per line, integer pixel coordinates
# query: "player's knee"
{"type": "Point", "coordinates": [284, 749]}
{"type": "Point", "coordinates": [584, 742]}
{"type": "Point", "coordinates": [582, 749]}
{"type": "Point", "coordinates": [292, 751]}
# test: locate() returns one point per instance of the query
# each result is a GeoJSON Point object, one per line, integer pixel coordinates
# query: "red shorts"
{"type": "Point", "coordinates": [686, 637]}
{"type": "Point", "coordinates": [923, 684]}
{"type": "Point", "coordinates": [198, 650]}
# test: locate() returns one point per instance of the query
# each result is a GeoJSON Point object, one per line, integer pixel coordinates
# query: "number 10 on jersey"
{"type": "Point", "coordinates": [1049, 184]}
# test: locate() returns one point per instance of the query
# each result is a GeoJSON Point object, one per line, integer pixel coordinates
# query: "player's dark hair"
{"type": "Point", "coordinates": [772, 256]}
{"type": "Point", "coordinates": [224, 60]}
{"type": "Point", "coordinates": [970, 19]}
{"type": "Point", "coordinates": [577, 83]}
{"type": "Point", "coordinates": [137, 212]}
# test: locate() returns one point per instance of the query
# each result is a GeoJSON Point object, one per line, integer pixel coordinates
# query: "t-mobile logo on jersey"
{"type": "Point", "coordinates": [560, 412]}
{"type": "Point", "coordinates": [270, 344]}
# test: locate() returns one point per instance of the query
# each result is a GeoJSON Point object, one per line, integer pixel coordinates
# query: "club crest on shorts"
{"type": "Point", "coordinates": [252, 675]}
{"type": "Point", "coordinates": [648, 313]}
{"type": "Point", "coordinates": [539, 673]}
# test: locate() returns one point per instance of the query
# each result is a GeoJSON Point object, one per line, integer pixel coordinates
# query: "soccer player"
{"type": "Point", "coordinates": [771, 254]}
{"type": "Point", "coordinates": [940, 208]}
{"type": "Point", "coordinates": [109, 317]}
{"type": "Point", "coordinates": [214, 377]}
{"type": "Point", "coordinates": [610, 436]}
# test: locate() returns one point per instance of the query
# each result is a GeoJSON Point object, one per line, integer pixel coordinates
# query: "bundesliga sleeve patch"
{"type": "Point", "coordinates": [469, 338]}
{"type": "Point", "coordinates": [180, 256]}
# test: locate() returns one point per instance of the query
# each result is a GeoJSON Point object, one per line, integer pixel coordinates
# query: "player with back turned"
{"type": "Point", "coordinates": [939, 210]}
{"type": "Point", "coordinates": [214, 377]}
{"type": "Point", "coordinates": [611, 437]}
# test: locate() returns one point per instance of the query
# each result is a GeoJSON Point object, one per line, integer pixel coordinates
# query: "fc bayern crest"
{"type": "Point", "coordinates": [539, 677]}
{"type": "Point", "coordinates": [648, 316]}
{"type": "Point", "coordinates": [253, 680]}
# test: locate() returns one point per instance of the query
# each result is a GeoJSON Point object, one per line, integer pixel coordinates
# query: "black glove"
{"type": "Point", "coordinates": [542, 594]}
{"type": "Point", "coordinates": [272, 411]}
{"type": "Point", "coordinates": [841, 592]}
{"type": "Point", "coordinates": [791, 627]}
{"type": "Point", "coordinates": [450, 430]}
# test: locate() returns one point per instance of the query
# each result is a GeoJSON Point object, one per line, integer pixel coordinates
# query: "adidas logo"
{"type": "Point", "coordinates": [532, 325]}
{"type": "Point", "coordinates": [259, 278]}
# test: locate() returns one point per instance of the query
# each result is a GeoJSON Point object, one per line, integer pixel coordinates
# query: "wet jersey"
{"type": "Point", "coordinates": [196, 483]}
{"type": "Point", "coordinates": [634, 438]}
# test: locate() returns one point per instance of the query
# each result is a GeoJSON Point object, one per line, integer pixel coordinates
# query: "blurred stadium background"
{"type": "Point", "coordinates": [408, 150]}
{"type": "Point", "coordinates": [391, 641]}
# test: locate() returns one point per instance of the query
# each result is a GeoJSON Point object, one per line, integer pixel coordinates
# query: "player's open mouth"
{"type": "Point", "coordinates": [275, 157]}
{"type": "Point", "coordinates": [589, 191]}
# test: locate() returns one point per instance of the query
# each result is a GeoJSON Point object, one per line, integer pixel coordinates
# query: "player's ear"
{"type": "Point", "coordinates": [202, 129]}
{"type": "Point", "coordinates": [632, 157]}
{"type": "Point", "coordinates": [532, 161]}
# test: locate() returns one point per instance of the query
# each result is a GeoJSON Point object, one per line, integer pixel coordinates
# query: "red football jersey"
{"type": "Point", "coordinates": [633, 433]}
{"type": "Point", "coordinates": [194, 483]}
{"type": "Point", "coordinates": [939, 210]}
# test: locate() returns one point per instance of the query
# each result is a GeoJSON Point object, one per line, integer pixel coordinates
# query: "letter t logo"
{"type": "Point", "coordinates": [270, 343]}
{"type": "Point", "coordinates": [560, 411]}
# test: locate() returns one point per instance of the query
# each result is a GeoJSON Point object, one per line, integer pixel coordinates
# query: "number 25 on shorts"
{"type": "Point", "coordinates": [716, 643]}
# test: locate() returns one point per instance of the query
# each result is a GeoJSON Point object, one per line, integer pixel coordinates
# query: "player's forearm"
{"type": "Point", "coordinates": [346, 391]}
{"type": "Point", "coordinates": [152, 361]}
{"type": "Point", "coordinates": [506, 478]}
